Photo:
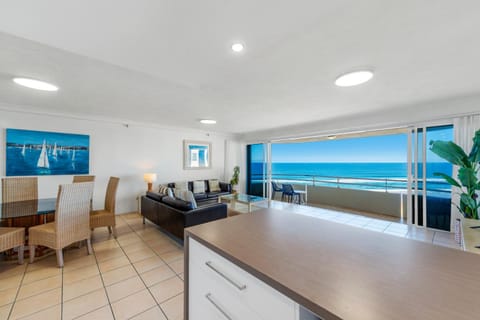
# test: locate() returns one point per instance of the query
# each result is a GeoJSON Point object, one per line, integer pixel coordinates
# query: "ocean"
{"type": "Point", "coordinates": [374, 176]}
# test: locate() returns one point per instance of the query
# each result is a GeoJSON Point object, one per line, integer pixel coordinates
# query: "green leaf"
{"type": "Point", "coordinates": [475, 153]}
{"type": "Point", "coordinates": [447, 178]}
{"type": "Point", "coordinates": [468, 205]}
{"type": "Point", "coordinates": [450, 152]}
{"type": "Point", "coordinates": [468, 178]}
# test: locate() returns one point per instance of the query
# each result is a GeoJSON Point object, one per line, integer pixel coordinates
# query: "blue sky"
{"type": "Point", "coordinates": [386, 148]}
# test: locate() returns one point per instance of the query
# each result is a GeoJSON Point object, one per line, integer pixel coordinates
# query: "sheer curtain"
{"type": "Point", "coordinates": [464, 129]}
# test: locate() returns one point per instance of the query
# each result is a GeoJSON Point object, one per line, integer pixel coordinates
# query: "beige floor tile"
{"type": "Point", "coordinates": [53, 313]}
{"type": "Point", "coordinates": [41, 263]}
{"type": "Point", "coordinates": [125, 288]}
{"type": "Point", "coordinates": [11, 282]}
{"type": "Point", "coordinates": [108, 244]}
{"type": "Point", "coordinates": [82, 287]}
{"type": "Point", "coordinates": [172, 255]}
{"type": "Point", "coordinates": [140, 255]}
{"type": "Point", "coordinates": [164, 248]}
{"type": "Point", "coordinates": [36, 303]}
{"type": "Point", "coordinates": [133, 305]}
{"type": "Point", "coordinates": [151, 314]}
{"type": "Point", "coordinates": [148, 264]}
{"type": "Point", "coordinates": [135, 247]}
{"type": "Point", "coordinates": [104, 313]}
{"type": "Point", "coordinates": [34, 288]}
{"type": "Point", "coordinates": [5, 311]}
{"type": "Point", "coordinates": [84, 304]}
{"type": "Point", "coordinates": [128, 239]}
{"type": "Point", "coordinates": [11, 268]}
{"type": "Point", "coordinates": [41, 274]}
{"type": "Point", "coordinates": [79, 263]}
{"type": "Point", "coordinates": [167, 289]}
{"type": "Point", "coordinates": [119, 274]}
{"type": "Point", "coordinates": [106, 254]}
{"type": "Point", "coordinates": [7, 296]}
{"type": "Point", "coordinates": [114, 263]}
{"type": "Point", "coordinates": [157, 275]}
{"type": "Point", "coordinates": [80, 274]}
{"type": "Point", "coordinates": [177, 266]}
{"type": "Point", "coordinates": [173, 308]}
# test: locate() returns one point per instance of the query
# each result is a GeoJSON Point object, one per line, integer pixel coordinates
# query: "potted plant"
{"type": "Point", "coordinates": [235, 178]}
{"type": "Point", "coordinates": [468, 181]}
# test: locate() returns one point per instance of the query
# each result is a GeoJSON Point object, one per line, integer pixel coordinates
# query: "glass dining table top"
{"type": "Point", "coordinates": [9, 210]}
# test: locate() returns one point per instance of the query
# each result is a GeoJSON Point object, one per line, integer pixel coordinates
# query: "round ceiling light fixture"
{"type": "Point", "coordinates": [35, 84]}
{"type": "Point", "coordinates": [208, 121]}
{"type": "Point", "coordinates": [354, 78]}
{"type": "Point", "coordinates": [238, 47]}
{"type": "Point", "coordinates": [332, 137]}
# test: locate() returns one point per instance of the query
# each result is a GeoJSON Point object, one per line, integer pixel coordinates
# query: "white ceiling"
{"type": "Point", "coordinates": [170, 63]}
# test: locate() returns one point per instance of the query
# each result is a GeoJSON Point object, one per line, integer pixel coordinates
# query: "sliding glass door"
{"type": "Point", "coordinates": [430, 196]}
{"type": "Point", "coordinates": [257, 169]}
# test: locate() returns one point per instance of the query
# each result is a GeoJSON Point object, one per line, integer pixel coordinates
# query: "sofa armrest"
{"type": "Point", "coordinates": [225, 187]}
{"type": "Point", "coordinates": [155, 195]}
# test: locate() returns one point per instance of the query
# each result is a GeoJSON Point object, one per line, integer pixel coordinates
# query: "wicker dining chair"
{"type": "Point", "coordinates": [71, 223]}
{"type": "Point", "coordinates": [77, 179]}
{"type": "Point", "coordinates": [13, 238]}
{"type": "Point", "coordinates": [106, 217]}
{"type": "Point", "coordinates": [19, 189]}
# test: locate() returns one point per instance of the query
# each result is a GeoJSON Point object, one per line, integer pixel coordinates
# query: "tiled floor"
{"type": "Point", "coordinates": [139, 275]}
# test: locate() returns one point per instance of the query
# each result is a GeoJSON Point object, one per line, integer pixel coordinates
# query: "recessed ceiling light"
{"type": "Point", "coordinates": [238, 47]}
{"type": "Point", "coordinates": [35, 84]}
{"type": "Point", "coordinates": [354, 78]}
{"type": "Point", "coordinates": [208, 121]}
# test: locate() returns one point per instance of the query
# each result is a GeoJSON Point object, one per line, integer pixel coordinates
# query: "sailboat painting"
{"type": "Point", "coordinates": [35, 153]}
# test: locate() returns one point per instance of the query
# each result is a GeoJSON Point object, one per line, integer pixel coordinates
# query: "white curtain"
{"type": "Point", "coordinates": [464, 130]}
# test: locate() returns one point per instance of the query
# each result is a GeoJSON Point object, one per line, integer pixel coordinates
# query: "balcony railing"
{"type": "Point", "coordinates": [370, 184]}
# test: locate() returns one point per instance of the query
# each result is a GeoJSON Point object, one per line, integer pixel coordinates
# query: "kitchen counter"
{"type": "Point", "coordinates": [343, 272]}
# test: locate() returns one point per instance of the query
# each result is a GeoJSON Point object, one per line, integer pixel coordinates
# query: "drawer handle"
{"type": "Point", "coordinates": [209, 298]}
{"type": "Point", "coordinates": [240, 287]}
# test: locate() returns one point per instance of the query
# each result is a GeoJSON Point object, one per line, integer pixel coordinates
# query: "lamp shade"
{"type": "Point", "coordinates": [150, 177]}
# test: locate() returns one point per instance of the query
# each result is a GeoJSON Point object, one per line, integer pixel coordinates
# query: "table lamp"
{"type": "Point", "coordinates": [150, 178]}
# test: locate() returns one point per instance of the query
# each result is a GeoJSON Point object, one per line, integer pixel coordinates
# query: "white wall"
{"type": "Point", "coordinates": [116, 150]}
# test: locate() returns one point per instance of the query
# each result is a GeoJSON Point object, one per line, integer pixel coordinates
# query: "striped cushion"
{"type": "Point", "coordinates": [163, 190]}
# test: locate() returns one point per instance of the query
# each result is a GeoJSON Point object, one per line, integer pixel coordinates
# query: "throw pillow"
{"type": "Point", "coordinates": [170, 193]}
{"type": "Point", "coordinates": [186, 195]}
{"type": "Point", "coordinates": [198, 186]}
{"type": "Point", "coordinates": [181, 185]}
{"type": "Point", "coordinates": [163, 189]}
{"type": "Point", "coordinates": [214, 185]}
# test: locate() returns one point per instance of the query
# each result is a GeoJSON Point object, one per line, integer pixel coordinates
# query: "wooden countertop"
{"type": "Point", "coordinates": [343, 272]}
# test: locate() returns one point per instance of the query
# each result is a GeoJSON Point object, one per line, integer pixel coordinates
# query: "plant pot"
{"type": "Point", "coordinates": [471, 235]}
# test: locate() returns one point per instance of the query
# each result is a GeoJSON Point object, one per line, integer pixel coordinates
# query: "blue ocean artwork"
{"type": "Point", "coordinates": [37, 153]}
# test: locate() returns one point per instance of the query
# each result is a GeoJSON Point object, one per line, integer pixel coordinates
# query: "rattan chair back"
{"type": "Point", "coordinates": [72, 214]}
{"type": "Point", "coordinates": [19, 189]}
{"type": "Point", "coordinates": [111, 194]}
{"type": "Point", "coordinates": [77, 179]}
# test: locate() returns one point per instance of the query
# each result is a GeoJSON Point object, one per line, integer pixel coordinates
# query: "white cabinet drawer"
{"type": "Point", "coordinates": [235, 282]}
{"type": "Point", "coordinates": [208, 301]}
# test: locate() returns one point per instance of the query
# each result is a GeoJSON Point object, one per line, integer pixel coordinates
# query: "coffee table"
{"type": "Point", "coordinates": [242, 198]}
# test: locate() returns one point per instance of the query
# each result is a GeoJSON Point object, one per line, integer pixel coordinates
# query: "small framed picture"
{"type": "Point", "coordinates": [197, 154]}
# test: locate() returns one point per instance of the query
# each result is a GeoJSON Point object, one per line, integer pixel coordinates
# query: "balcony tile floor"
{"type": "Point", "coordinates": [139, 275]}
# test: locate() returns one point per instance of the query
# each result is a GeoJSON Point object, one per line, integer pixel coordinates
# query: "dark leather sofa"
{"type": "Point", "coordinates": [174, 215]}
{"type": "Point", "coordinates": [207, 196]}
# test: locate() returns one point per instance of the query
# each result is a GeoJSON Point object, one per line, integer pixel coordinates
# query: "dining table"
{"type": "Point", "coordinates": [38, 209]}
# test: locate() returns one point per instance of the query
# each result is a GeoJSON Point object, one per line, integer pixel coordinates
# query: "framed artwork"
{"type": "Point", "coordinates": [196, 154]}
{"type": "Point", "coordinates": [37, 153]}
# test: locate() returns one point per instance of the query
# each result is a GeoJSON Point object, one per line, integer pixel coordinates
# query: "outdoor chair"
{"type": "Point", "coordinates": [106, 217]}
{"type": "Point", "coordinates": [289, 194]}
{"type": "Point", "coordinates": [275, 188]}
{"type": "Point", "coordinates": [13, 238]}
{"type": "Point", "coordinates": [72, 221]}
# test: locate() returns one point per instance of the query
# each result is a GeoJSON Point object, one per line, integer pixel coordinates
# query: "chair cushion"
{"type": "Point", "coordinates": [214, 185]}
{"type": "Point", "coordinates": [43, 234]}
{"type": "Point", "coordinates": [11, 237]}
